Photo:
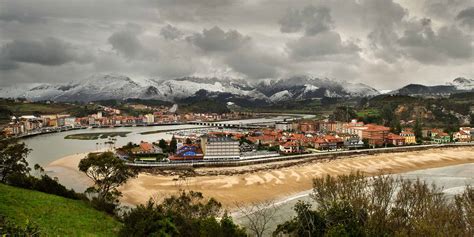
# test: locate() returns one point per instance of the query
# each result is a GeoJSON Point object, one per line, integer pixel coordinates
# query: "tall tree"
{"type": "Point", "coordinates": [259, 215]}
{"type": "Point", "coordinates": [418, 130]}
{"type": "Point", "coordinates": [395, 126]}
{"type": "Point", "coordinates": [173, 144]}
{"type": "Point", "coordinates": [13, 159]}
{"type": "Point", "coordinates": [108, 173]}
{"type": "Point", "coordinates": [387, 114]}
{"type": "Point", "coordinates": [163, 145]}
{"type": "Point", "coordinates": [472, 120]}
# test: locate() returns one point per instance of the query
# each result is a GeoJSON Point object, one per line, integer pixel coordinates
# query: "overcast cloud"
{"type": "Point", "coordinates": [383, 43]}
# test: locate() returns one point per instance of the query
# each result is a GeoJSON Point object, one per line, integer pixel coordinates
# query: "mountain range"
{"type": "Point", "coordinates": [118, 87]}
{"type": "Point", "coordinates": [112, 86]}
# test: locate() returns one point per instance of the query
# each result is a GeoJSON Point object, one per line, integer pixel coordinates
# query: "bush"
{"type": "Point", "coordinates": [8, 228]}
{"type": "Point", "coordinates": [106, 206]}
{"type": "Point", "coordinates": [44, 184]}
{"type": "Point", "coordinates": [188, 214]}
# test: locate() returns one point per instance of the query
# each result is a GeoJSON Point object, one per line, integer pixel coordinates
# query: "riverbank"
{"type": "Point", "coordinates": [261, 182]}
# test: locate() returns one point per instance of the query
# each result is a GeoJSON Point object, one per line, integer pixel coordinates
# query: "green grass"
{"type": "Point", "coordinates": [20, 108]}
{"type": "Point", "coordinates": [95, 136]}
{"type": "Point", "coordinates": [55, 215]}
{"type": "Point", "coordinates": [368, 112]}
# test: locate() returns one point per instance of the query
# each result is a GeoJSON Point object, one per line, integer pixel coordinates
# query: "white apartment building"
{"type": "Point", "coordinates": [220, 148]}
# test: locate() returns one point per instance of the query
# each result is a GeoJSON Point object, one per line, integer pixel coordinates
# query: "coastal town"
{"type": "Point", "coordinates": [108, 117]}
{"type": "Point", "coordinates": [285, 138]}
{"type": "Point", "coordinates": [217, 142]}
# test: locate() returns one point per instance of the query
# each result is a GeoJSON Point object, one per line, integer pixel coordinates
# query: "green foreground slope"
{"type": "Point", "coordinates": [55, 215]}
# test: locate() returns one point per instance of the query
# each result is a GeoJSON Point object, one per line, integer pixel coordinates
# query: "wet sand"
{"type": "Point", "coordinates": [248, 186]}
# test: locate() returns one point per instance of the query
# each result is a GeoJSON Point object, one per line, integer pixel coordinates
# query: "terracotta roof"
{"type": "Point", "coordinates": [393, 136]}
{"type": "Point", "coordinates": [145, 146]}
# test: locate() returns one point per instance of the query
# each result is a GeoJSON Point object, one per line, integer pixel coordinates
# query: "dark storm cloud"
{"type": "Point", "coordinates": [466, 17]}
{"type": "Point", "coordinates": [253, 64]}
{"type": "Point", "coordinates": [366, 40]}
{"type": "Point", "coordinates": [427, 46]}
{"type": "Point", "coordinates": [14, 14]}
{"type": "Point", "coordinates": [126, 43]}
{"type": "Point", "coordinates": [319, 46]}
{"type": "Point", "coordinates": [216, 39]}
{"type": "Point", "coordinates": [48, 52]}
{"type": "Point", "coordinates": [311, 19]}
{"type": "Point", "coordinates": [170, 32]}
{"type": "Point", "coordinates": [445, 10]}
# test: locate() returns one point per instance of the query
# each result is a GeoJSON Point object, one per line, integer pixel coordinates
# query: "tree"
{"type": "Point", "coordinates": [353, 205]}
{"type": "Point", "coordinates": [173, 144]}
{"type": "Point", "coordinates": [343, 113]}
{"type": "Point", "coordinates": [387, 114]}
{"type": "Point", "coordinates": [185, 214]}
{"type": "Point", "coordinates": [163, 145]}
{"type": "Point", "coordinates": [395, 126]}
{"type": "Point", "coordinates": [147, 220]}
{"type": "Point", "coordinates": [108, 172]}
{"type": "Point", "coordinates": [417, 129]}
{"type": "Point", "coordinates": [259, 215]}
{"type": "Point", "coordinates": [13, 159]}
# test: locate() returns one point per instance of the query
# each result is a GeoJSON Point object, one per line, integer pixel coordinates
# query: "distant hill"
{"type": "Point", "coordinates": [55, 215]}
{"type": "Point", "coordinates": [458, 85]}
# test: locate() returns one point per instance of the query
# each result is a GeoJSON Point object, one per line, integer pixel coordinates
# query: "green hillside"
{"type": "Point", "coordinates": [54, 215]}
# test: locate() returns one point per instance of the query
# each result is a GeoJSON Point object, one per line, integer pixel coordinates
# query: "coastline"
{"type": "Point", "coordinates": [248, 186]}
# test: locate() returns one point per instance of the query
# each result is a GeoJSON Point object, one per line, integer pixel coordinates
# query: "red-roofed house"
{"type": "Point", "coordinates": [376, 135]}
{"type": "Point", "coordinates": [463, 135]}
{"type": "Point", "coordinates": [290, 147]}
{"type": "Point", "coordinates": [395, 139]}
{"type": "Point", "coordinates": [147, 148]}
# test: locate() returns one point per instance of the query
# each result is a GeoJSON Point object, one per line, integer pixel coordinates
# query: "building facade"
{"type": "Point", "coordinates": [220, 148]}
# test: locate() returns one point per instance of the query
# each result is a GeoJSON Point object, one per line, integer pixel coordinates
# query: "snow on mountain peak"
{"type": "Point", "coordinates": [116, 86]}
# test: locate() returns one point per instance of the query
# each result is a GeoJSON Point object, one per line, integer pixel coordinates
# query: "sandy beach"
{"type": "Point", "coordinates": [248, 186]}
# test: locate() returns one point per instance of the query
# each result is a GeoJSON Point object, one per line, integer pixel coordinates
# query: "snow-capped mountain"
{"type": "Point", "coordinates": [112, 86]}
{"type": "Point", "coordinates": [304, 87]}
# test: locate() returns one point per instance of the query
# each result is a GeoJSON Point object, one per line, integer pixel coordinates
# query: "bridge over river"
{"type": "Point", "coordinates": [234, 125]}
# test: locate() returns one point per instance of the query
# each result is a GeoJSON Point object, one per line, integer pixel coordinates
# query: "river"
{"type": "Point", "coordinates": [49, 147]}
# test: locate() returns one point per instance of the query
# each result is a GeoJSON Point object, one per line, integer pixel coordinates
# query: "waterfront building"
{"type": "Point", "coordinates": [395, 139]}
{"type": "Point", "coordinates": [148, 148]}
{"type": "Point", "coordinates": [283, 126]}
{"type": "Point", "coordinates": [375, 135]}
{"type": "Point", "coordinates": [463, 135]}
{"type": "Point", "coordinates": [353, 141]}
{"type": "Point", "coordinates": [438, 136]}
{"type": "Point", "coordinates": [409, 137]}
{"type": "Point", "coordinates": [220, 148]}
{"type": "Point", "coordinates": [149, 118]}
{"type": "Point", "coordinates": [290, 147]}
{"type": "Point", "coordinates": [188, 152]}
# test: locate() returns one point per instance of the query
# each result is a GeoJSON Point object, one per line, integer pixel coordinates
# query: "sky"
{"type": "Point", "coordinates": [383, 43]}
